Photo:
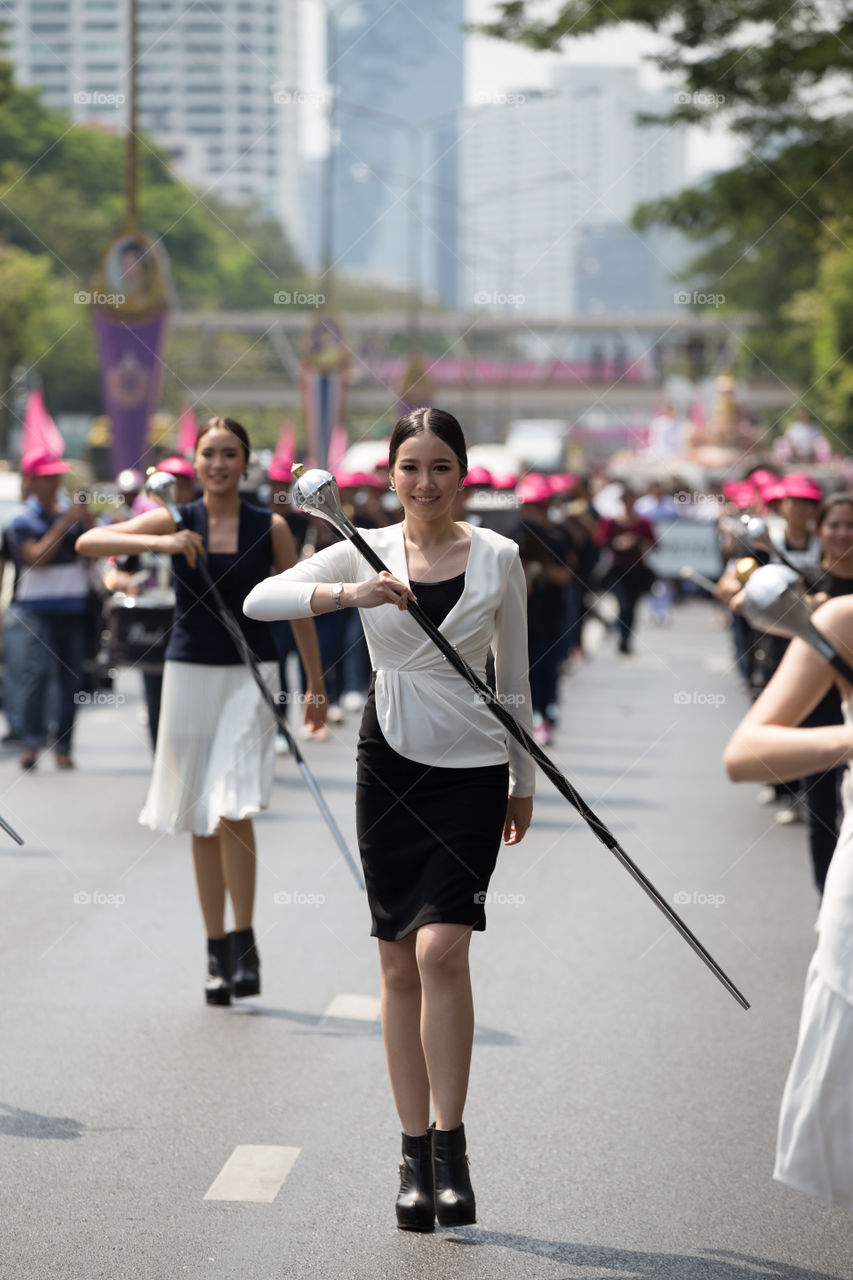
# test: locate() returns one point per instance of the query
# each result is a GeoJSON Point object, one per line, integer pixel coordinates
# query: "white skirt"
{"type": "Point", "coordinates": [215, 741]}
{"type": "Point", "coordinates": [814, 1150]}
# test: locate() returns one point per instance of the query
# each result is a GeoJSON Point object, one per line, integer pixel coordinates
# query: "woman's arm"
{"type": "Point", "coordinates": [768, 746]}
{"type": "Point", "coordinates": [152, 531]}
{"type": "Point", "coordinates": [304, 631]}
{"type": "Point", "coordinates": [512, 679]}
{"type": "Point", "coordinates": [305, 589]}
{"type": "Point", "coordinates": [43, 551]}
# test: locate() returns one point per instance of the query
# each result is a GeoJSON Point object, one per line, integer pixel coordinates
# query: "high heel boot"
{"type": "Point", "coordinates": [245, 964]}
{"type": "Point", "coordinates": [217, 989]}
{"type": "Point", "coordinates": [415, 1205]}
{"type": "Point", "coordinates": [454, 1196]}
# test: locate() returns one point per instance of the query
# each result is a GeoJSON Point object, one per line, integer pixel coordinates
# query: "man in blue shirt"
{"type": "Point", "coordinates": [52, 597]}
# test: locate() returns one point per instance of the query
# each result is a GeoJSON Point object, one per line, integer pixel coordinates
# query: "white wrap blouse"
{"type": "Point", "coordinates": [425, 709]}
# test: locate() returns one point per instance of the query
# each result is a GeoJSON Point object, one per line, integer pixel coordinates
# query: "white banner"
{"type": "Point", "coordinates": [685, 542]}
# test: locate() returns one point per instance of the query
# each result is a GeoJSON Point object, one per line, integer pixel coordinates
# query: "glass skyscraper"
{"type": "Point", "coordinates": [399, 73]}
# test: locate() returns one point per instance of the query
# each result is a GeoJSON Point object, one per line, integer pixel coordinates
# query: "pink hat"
{"type": "Point", "coordinates": [534, 488]}
{"type": "Point", "coordinates": [41, 462]}
{"type": "Point", "coordinates": [743, 494]}
{"type": "Point", "coordinates": [368, 480]}
{"type": "Point", "coordinates": [177, 466]}
{"type": "Point", "coordinates": [774, 492]}
{"type": "Point", "coordinates": [762, 476]}
{"type": "Point", "coordinates": [802, 486]}
{"type": "Point", "coordinates": [347, 479]}
{"type": "Point", "coordinates": [504, 482]}
{"type": "Point", "coordinates": [563, 484]}
{"type": "Point", "coordinates": [279, 469]}
{"type": "Point", "coordinates": [478, 475]}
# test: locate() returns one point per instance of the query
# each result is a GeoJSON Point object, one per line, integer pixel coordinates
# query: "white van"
{"type": "Point", "coordinates": [540, 443]}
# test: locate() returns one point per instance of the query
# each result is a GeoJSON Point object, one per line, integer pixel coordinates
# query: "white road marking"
{"type": "Point", "coordinates": [719, 665]}
{"type": "Point", "coordinates": [253, 1173]}
{"type": "Point", "coordinates": [361, 1008]}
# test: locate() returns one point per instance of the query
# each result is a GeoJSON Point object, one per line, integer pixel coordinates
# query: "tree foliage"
{"type": "Point", "coordinates": [62, 201]}
{"type": "Point", "coordinates": [778, 76]}
{"type": "Point", "coordinates": [24, 289]}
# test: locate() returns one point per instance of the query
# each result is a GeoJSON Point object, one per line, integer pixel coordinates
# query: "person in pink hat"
{"type": "Point", "coordinates": [291, 674]}
{"type": "Point", "coordinates": [548, 559]}
{"type": "Point", "coordinates": [53, 597]}
{"type": "Point", "coordinates": [123, 573]}
{"type": "Point", "coordinates": [629, 538]}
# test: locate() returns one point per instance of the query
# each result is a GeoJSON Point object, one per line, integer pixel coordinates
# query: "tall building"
{"type": "Point", "coordinates": [549, 183]}
{"type": "Point", "coordinates": [399, 71]}
{"type": "Point", "coordinates": [215, 83]}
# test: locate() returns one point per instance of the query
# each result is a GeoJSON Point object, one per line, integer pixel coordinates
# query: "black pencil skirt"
{"type": "Point", "coordinates": [428, 836]}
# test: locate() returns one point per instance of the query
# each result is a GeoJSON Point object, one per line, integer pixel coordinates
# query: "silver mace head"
{"type": "Point", "coordinates": [161, 487]}
{"type": "Point", "coordinates": [773, 600]}
{"type": "Point", "coordinates": [316, 491]}
{"type": "Point", "coordinates": [755, 530]}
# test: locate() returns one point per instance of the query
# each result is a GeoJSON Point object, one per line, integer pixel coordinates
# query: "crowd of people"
{"type": "Point", "coordinates": [513, 569]}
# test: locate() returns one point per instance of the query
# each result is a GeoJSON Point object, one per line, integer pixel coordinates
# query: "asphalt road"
{"type": "Point", "coordinates": [622, 1112]}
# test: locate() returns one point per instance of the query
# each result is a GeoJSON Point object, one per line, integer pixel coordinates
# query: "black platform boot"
{"type": "Point", "coordinates": [415, 1204]}
{"type": "Point", "coordinates": [454, 1196]}
{"type": "Point", "coordinates": [245, 964]}
{"type": "Point", "coordinates": [217, 989]}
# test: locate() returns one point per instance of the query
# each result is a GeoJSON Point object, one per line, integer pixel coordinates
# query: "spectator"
{"type": "Point", "coordinates": [629, 538]}
{"type": "Point", "coordinates": [548, 559]}
{"type": "Point", "coordinates": [53, 592]}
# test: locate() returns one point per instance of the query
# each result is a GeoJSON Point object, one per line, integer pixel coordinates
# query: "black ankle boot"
{"type": "Point", "coordinates": [454, 1196]}
{"type": "Point", "coordinates": [245, 964]}
{"type": "Point", "coordinates": [415, 1205]}
{"type": "Point", "coordinates": [218, 986]}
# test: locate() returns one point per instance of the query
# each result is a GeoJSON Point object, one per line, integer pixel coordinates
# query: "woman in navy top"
{"type": "Point", "coordinates": [213, 764]}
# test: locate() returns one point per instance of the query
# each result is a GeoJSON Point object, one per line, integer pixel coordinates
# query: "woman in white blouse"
{"type": "Point", "coordinates": [814, 1145]}
{"type": "Point", "coordinates": [438, 783]}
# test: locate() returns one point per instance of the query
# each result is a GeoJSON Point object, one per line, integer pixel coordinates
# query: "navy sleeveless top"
{"type": "Point", "coordinates": [198, 633]}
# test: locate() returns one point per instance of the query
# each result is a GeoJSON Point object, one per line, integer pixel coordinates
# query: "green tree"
{"type": "Point", "coordinates": [24, 287]}
{"type": "Point", "coordinates": [824, 316]}
{"type": "Point", "coordinates": [779, 76]}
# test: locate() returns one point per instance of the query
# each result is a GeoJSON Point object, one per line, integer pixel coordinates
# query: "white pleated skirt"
{"type": "Point", "coordinates": [814, 1151]}
{"type": "Point", "coordinates": [215, 748]}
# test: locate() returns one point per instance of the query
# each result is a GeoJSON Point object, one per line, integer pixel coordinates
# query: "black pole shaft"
{"type": "Point", "coordinates": [554, 774]}
{"type": "Point", "coordinates": [11, 831]}
{"type": "Point", "coordinates": [826, 650]}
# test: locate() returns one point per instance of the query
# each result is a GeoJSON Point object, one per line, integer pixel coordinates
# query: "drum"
{"type": "Point", "coordinates": [139, 628]}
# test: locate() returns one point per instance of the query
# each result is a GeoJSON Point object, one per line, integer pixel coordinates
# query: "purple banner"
{"type": "Point", "coordinates": [130, 381]}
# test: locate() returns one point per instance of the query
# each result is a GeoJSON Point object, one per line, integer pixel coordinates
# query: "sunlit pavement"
{"type": "Point", "coordinates": [622, 1113]}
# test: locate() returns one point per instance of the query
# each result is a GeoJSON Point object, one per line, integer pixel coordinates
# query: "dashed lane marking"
{"type": "Point", "coordinates": [360, 1008]}
{"type": "Point", "coordinates": [253, 1173]}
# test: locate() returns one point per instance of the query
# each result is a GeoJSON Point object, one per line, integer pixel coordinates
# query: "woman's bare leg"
{"type": "Point", "coordinates": [237, 845]}
{"type": "Point", "coordinates": [207, 860]}
{"type": "Point", "coordinates": [401, 1031]}
{"type": "Point", "coordinates": [447, 1016]}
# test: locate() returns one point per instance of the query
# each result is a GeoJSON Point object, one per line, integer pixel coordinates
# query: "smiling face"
{"type": "Point", "coordinates": [427, 476]}
{"type": "Point", "coordinates": [836, 533]}
{"type": "Point", "coordinates": [219, 461]}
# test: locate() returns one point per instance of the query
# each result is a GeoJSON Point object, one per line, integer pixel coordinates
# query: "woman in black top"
{"type": "Point", "coordinates": [832, 577]}
{"type": "Point", "coordinates": [213, 764]}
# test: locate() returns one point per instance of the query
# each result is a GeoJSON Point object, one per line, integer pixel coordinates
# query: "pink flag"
{"type": "Point", "coordinates": [187, 432]}
{"type": "Point", "coordinates": [337, 445]}
{"type": "Point", "coordinates": [40, 431]}
{"type": "Point", "coordinates": [284, 450]}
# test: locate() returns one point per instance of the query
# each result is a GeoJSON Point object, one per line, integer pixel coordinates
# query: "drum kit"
{"type": "Point", "coordinates": [138, 629]}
